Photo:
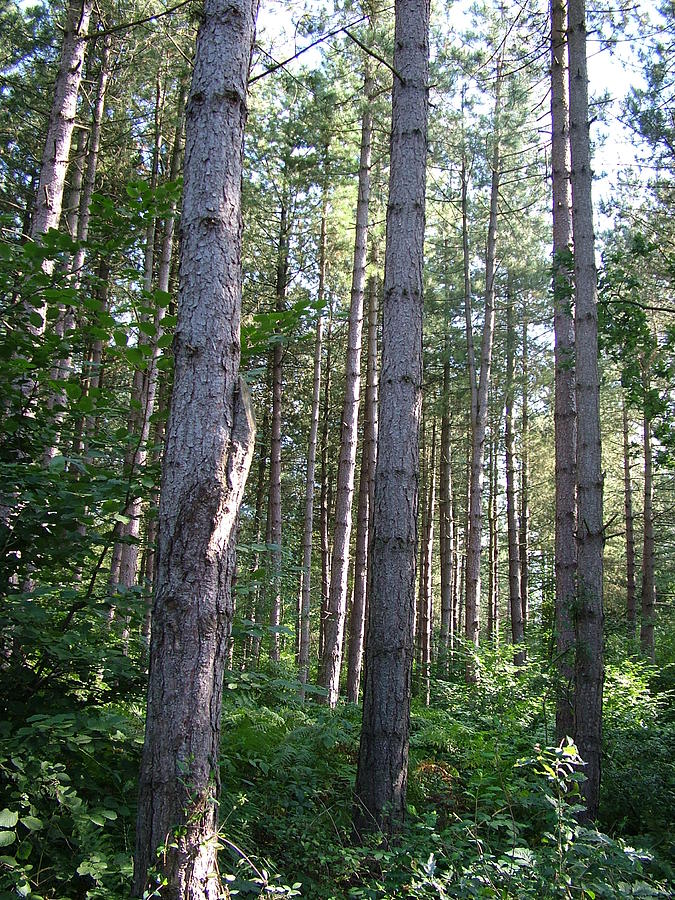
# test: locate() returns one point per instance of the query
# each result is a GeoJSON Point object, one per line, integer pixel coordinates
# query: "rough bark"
{"type": "Point", "coordinates": [303, 655]}
{"type": "Point", "coordinates": [589, 665]}
{"type": "Point", "coordinates": [382, 774]}
{"type": "Point", "coordinates": [334, 626]}
{"type": "Point", "coordinates": [364, 515]}
{"type": "Point", "coordinates": [631, 613]}
{"type": "Point", "coordinates": [515, 602]}
{"type": "Point", "coordinates": [208, 452]}
{"type": "Point", "coordinates": [480, 411]}
{"type": "Point", "coordinates": [648, 588]}
{"type": "Point", "coordinates": [565, 399]}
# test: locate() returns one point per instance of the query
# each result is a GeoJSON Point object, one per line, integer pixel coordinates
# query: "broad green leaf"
{"type": "Point", "coordinates": [73, 390]}
{"type": "Point", "coordinates": [8, 818]}
{"type": "Point", "coordinates": [7, 838]}
{"type": "Point", "coordinates": [147, 328]}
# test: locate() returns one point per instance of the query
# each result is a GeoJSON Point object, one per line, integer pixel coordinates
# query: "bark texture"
{"type": "Point", "coordinates": [382, 773]}
{"type": "Point", "coordinates": [565, 416]}
{"type": "Point", "coordinates": [589, 664]}
{"type": "Point", "coordinates": [210, 439]}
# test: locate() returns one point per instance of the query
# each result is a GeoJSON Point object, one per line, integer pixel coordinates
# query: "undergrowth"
{"type": "Point", "coordinates": [492, 801]}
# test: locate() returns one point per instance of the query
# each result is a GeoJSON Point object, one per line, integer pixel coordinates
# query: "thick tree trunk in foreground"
{"type": "Point", "coordinates": [334, 633]}
{"type": "Point", "coordinates": [365, 511]}
{"type": "Point", "coordinates": [631, 615]}
{"type": "Point", "coordinates": [565, 399]}
{"type": "Point", "coordinates": [382, 774]}
{"type": "Point", "coordinates": [208, 452]}
{"type": "Point", "coordinates": [480, 413]}
{"type": "Point", "coordinates": [589, 666]}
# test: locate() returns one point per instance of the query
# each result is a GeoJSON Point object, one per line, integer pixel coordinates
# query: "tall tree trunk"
{"type": "Point", "coordinates": [492, 534]}
{"type": "Point", "coordinates": [92, 159]}
{"type": "Point", "coordinates": [72, 211]}
{"type": "Point", "coordinates": [84, 183]}
{"type": "Point", "coordinates": [382, 773]}
{"type": "Point", "coordinates": [426, 594]}
{"type": "Point", "coordinates": [647, 622]}
{"type": "Point", "coordinates": [364, 516]}
{"type": "Point", "coordinates": [631, 616]}
{"type": "Point", "coordinates": [61, 120]}
{"type": "Point", "coordinates": [480, 412]}
{"type": "Point", "coordinates": [589, 664]}
{"type": "Point", "coordinates": [565, 399]}
{"type": "Point", "coordinates": [324, 496]}
{"type": "Point", "coordinates": [524, 480]}
{"type": "Point", "coordinates": [257, 594]}
{"type": "Point", "coordinates": [208, 451]}
{"type": "Point", "coordinates": [152, 520]}
{"type": "Point", "coordinates": [303, 655]}
{"type": "Point", "coordinates": [424, 482]}
{"type": "Point", "coordinates": [494, 559]}
{"type": "Point", "coordinates": [274, 507]}
{"type": "Point", "coordinates": [337, 596]}
{"type": "Point", "coordinates": [457, 575]}
{"type": "Point", "coordinates": [446, 524]}
{"type": "Point", "coordinates": [515, 603]}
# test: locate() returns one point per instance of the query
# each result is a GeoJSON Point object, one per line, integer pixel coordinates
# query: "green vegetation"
{"type": "Point", "coordinates": [491, 802]}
